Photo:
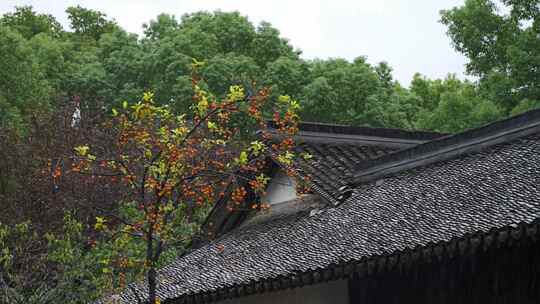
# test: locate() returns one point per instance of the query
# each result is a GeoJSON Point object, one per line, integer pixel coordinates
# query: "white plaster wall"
{"type": "Point", "coordinates": [281, 188]}
{"type": "Point", "coordinates": [335, 292]}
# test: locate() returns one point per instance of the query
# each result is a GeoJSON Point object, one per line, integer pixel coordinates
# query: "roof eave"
{"type": "Point", "coordinates": [484, 240]}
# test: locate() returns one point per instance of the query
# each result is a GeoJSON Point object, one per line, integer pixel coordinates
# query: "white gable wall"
{"type": "Point", "coordinates": [281, 188]}
{"type": "Point", "coordinates": [335, 292]}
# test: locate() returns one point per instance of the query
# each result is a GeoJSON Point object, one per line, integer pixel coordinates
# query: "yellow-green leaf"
{"type": "Point", "coordinates": [242, 159]}
{"type": "Point", "coordinates": [307, 156]}
{"type": "Point", "coordinates": [212, 125]}
{"type": "Point", "coordinates": [256, 147]}
{"type": "Point", "coordinates": [82, 150]}
{"type": "Point", "coordinates": [100, 223]}
{"type": "Point", "coordinates": [284, 98]}
{"type": "Point", "coordinates": [148, 97]}
{"type": "Point", "coordinates": [286, 158]}
{"type": "Point", "coordinates": [236, 93]}
{"type": "Point", "coordinates": [202, 106]}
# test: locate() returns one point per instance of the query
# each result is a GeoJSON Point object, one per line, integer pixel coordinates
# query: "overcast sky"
{"type": "Point", "coordinates": [405, 33]}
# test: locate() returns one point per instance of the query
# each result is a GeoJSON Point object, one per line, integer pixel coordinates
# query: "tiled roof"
{"type": "Point", "coordinates": [474, 192]}
{"type": "Point", "coordinates": [332, 165]}
{"type": "Point", "coordinates": [336, 151]}
{"type": "Point", "coordinates": [448, 147]}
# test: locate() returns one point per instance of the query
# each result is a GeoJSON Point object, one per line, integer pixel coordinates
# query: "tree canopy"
{"type": "Point", "coordinates": [95, 60]}
{"type": "Point", "coordinates": [501, 40]}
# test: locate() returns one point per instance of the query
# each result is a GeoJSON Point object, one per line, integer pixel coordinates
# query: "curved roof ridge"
{"type": "Point", "coordinates": [448, 147]}
{"type": "Point", "coordinates": [342, 134]}
{"type": "Point", "coordinates": [368, 131]}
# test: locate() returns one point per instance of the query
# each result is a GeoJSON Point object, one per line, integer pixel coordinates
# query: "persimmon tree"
{"type": "Point", "coordinates": [176, 166]}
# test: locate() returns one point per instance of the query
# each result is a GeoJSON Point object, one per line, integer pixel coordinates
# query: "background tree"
{"type": "Point", "coordinates": [89, 23]}
{"type": "Point", "coordinates": [503, 48]}
{"type": "Point", "coordinates": [101, 63]}
{"type": "Point", "coordinates": [352, 85]}
{"type": "Point", "coordinates": [24, 87]}
{"type": "Point", "coordinates": [451, 105]}
{"type": "Point", "coordinates": [29, 23]}
{"type": "Point", "coordinates": [38, 201]}
{"type": "Point", "coordinates": [162, 27]}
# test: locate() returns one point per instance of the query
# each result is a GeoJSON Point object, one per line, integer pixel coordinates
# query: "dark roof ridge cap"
{"type": "Point", "coordinates": [327, 129]}
{"type": "Point", "coordinates": [449, 147]}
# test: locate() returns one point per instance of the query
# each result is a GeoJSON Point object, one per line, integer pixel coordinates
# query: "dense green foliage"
{"type": "Point", "coordinates": [47, 71]}
{"type": "Point", "coordinates": [503, 48]}
{"type": "Point", "coordinates": [103, 65]}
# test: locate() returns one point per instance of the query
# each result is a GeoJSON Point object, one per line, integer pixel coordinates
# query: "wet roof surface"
{"type": "Point", "coordinates": [494, 188]}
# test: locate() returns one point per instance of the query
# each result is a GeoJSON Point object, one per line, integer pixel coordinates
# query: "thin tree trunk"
{"type": "Point", "coordinates": [152, 284]}
{"type": "Point", "coordinates": [151, 275]}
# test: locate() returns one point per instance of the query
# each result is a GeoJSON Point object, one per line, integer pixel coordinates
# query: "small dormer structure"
{"type": "Point", "coordinates": [336, 151]}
